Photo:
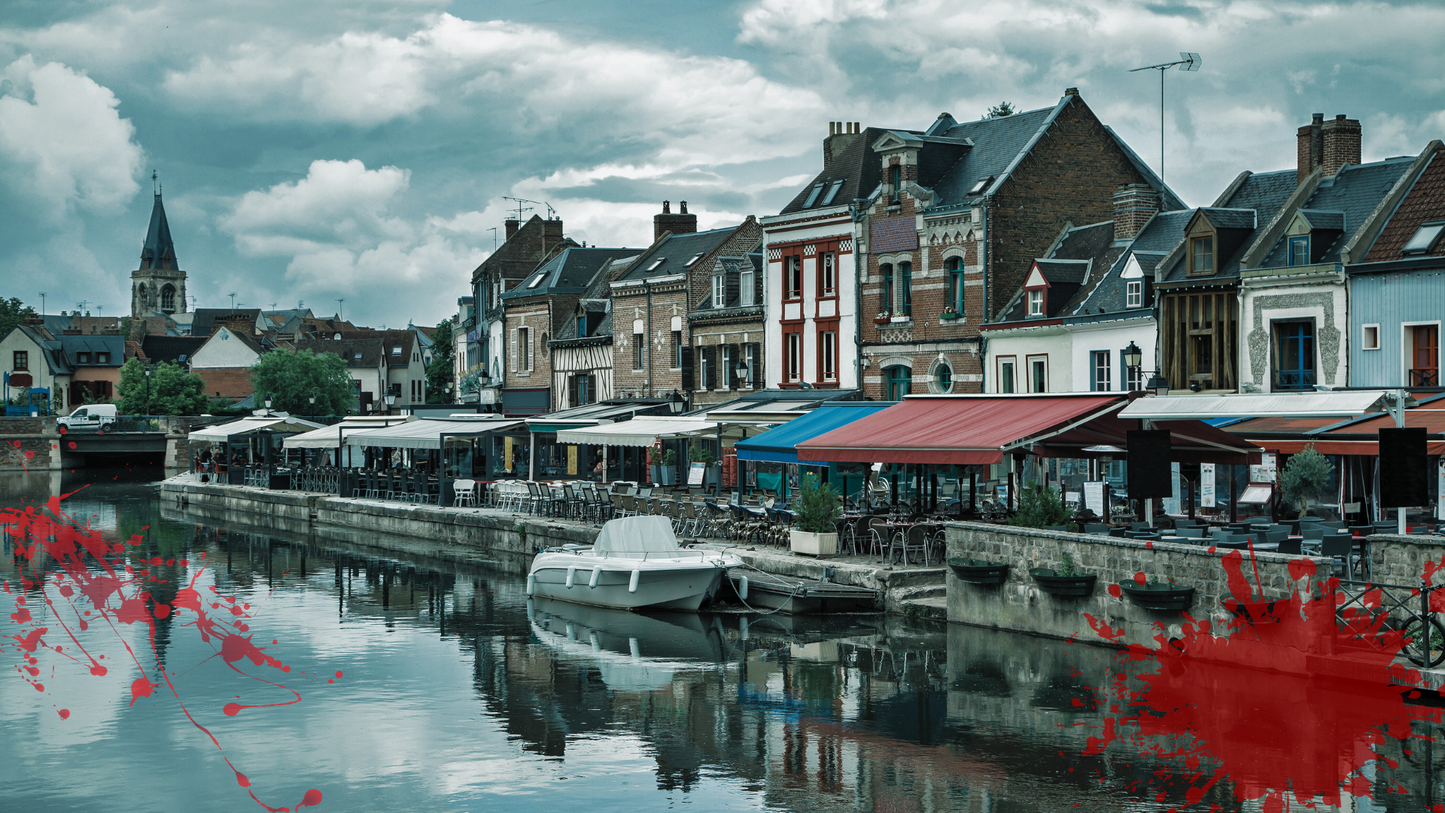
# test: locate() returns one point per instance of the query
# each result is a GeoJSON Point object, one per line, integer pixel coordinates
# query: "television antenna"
{"type": "Point", "coordinates": [551, 213]}
{"type": "Point", "coordinates": [233, 300]}
{"type": "Point", "coordinates": [42, 304]}
{"type": "Point", "coordinates": [493, 230]}
{"type": "Point", "coordinates": [1188, 61]}
{"type": "Point", "coordinates": [341, 310]}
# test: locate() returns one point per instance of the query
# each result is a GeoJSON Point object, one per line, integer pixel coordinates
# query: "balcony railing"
{"type": "Point", "coordinates": [1425, 377]}
{"type": "Point", "coordinates": [1294, 379]}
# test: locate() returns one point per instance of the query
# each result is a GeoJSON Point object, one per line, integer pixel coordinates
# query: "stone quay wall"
{"type": "Point", "coordinates": [1396, 559]}
{"type": "Point", "coordinates": [1019, 605]}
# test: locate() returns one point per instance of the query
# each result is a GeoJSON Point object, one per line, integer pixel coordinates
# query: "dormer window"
{"type": "Point", "coordinates": [1299, 251]}
{"type": "Point", "coordinates": [895, 180]}
{"type": "Point", "coordinates": [719, 290]}
{"type": "Point", "coordinates": [1036, 302]}
{"type": "Point", "coordinates": [1425, 238]}
{"type": "Point", "coordinates": [1201, 256]}
{"type": "Point", "coordinates": [1134, 294]}
{"type": "Point", "coordinates": [83, 358]}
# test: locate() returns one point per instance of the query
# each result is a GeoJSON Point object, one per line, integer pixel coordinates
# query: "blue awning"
{"type": "Point", "coordinates": [779, 445]}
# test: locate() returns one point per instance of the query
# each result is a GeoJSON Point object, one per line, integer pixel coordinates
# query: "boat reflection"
{"type": "Point", "coordinates": [631, 651]}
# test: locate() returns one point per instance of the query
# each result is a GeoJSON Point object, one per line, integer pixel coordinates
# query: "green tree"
{"type": "Point", "coordinates": [169, 390]}
{"type": "Point", "coordinates": [816, 506]}
{"type": "Point", "coordinates": [291, 378]}
{"type": "Point", "coordinates": [1040, 507]}
{"type": "Point", "coordinates": [12, 311]}
{"type": "Point", "coordinates": [440, 373]}
{"type": "Point", "coordinates": [1306, 475]}
{"type": "Point", "coordinates": [1000, 110]}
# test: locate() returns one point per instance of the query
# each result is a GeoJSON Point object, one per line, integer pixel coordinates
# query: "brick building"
{"type": "Point", "coordinates": [959, 214]}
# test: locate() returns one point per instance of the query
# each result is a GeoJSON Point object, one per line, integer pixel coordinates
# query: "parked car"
{"type": "Point", "coordinates": [100, 417]}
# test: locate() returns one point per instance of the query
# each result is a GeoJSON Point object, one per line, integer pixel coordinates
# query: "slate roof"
{"type": "Point", "coordinates": [856, 165]}
{"type": "Point", "coordinates": [158, 251]}
{"type": "Point", "coordinates": [1424, 203]}
{"type": "Point", "coordinates": [50, 347]}
{"type": "Point", "coordinates": [675, 252]}
{"type": "Point", "coordinates": [1332, 221]}
{"type": "Point", "coordinates": [1263, 192]}
{"type": "Point", "coordinates": [356, 352]}
{"type": "Point", "coordinates": [389, 339]}
{"type": "Point", "coordinates": [1072, 269]}
{"type": "Point", "coordinates": [171, 348]}
{"type": "Point", "coordinates": [1162, 233]}
{"type": "Point", "coordinates": [594, 300]}
{"type": "Point", "coordinates": [74, 344]}
{"type": "Point", "coordinates": [1231, 218]}
{"type": "Point", "coordinates": [1352, 194]}
{"type": "Point", "coordinates": [569, 272]}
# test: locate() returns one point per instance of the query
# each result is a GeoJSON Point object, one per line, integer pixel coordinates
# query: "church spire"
{"type": "Point", "coordinates": [159, 251]}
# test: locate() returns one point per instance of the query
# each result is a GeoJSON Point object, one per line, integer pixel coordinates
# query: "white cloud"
{"type": "Point", "coordinates": [63, 141]}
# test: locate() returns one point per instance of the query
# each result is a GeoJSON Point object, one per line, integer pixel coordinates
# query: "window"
{"type": "Point", "coordinates": [168, 299]}
{"type": "Point", "coordinates": [706, 360]}
{"type": "Point", "coordinates": [900, 382]}
{"type": "Point", "coordinates": [581, 326]}
{"type": "Point", "coordinates": [1101, 369]}
{"type": "Point", "coordinates": [813, 195]}
{"type": "Point", "coordinates": [21, 361]}
{"type": "Point", "coordinates": [726, 364]}
{"type": "Point", "coordinates": [793, 351]}
{"type": "Point", "coordinates": [982, 184]}
{"type": "Point", "coordinates": [1006, 376]}
{"type": "Point", "coordinates": [832, 193]}
{"type": "Point", "coordinates": [895, 180]}
{"type": "Point", "coordinates": [1201, 255]}
{"type": "Point", "coordinates": [396, 351]}
{"type": "Point", "coordinates": [943, 376]}
{"type": "Point", "coordinates": [677, 348]}
{"type": "Point", "coordinates": [1134, 294]}
{"type": "Point", "coordinates": [1370, 340]}
{"type": "Point", "coordinates": [827, 283]}
{"type": "Point", "coordinates": [1036, 303]}
{"type": "Point", "coordinates": [1424, 238]}
{"type": "Point", "coordinates": [639, 342]}
{"type": "Point", "coordinates": [82, 358]}
{"type": "Point", "coordinates": [655, 263]}
{"type": "Point", "coordinates": [694, 259]}
{"type": "Point", "coordinates": [1038, 374]}
{"type": "Point", "coordinates": [828, 349]}
{"type": "Point", "coordinates": [793, 278]}
{"type": "Point", "coordinates": [1299, 251]}
{"type": "Point", "coordinates": [745, 288]}
{"type": "Point", "coordinates": [907, 273]}
{"type": "Point", "coordinates": [582, 390]}
{"type": "Point", "coordinates": [954, 266]}
{"type": "Point", "coordinates": [750, 352]}
{"type": "Point", "coordinates": [719, 291]}
{"type": "Point", "coordinates": [102, 358]}
{"type": "Point", "coordinates": [1424, 357]}
{"type": "Point", "coordinates": [1294, 355]}
{"type": "Point", "coordinates": [887, 269]}
{"type": "Point", "coordinates": [524, 345]}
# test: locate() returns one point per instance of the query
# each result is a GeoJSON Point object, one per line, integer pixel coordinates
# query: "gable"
{"type": "Point", "coordinates": [1036, 278]}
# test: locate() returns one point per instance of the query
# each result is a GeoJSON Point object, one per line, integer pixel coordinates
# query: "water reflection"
{"type": "Point", "coordinates": [460, 694]}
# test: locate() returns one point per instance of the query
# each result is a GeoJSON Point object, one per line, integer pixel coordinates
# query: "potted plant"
{"type": "Point", "coordinates": [669, 468]}
{"type": "Point", "coordinates": [815, 528]}
{"type": "Point", "coordinates": [654, 465]}
{"type": "Point", "coordinates": [900, 317]}
{"type": "Point", "coordinates": [704, 455]}
{"type": "Point", "coordinates": [881, 318]}
{"type": "Point", "coordinates": [1159, 597]}
{"type": "Point", "coordinates": [949, 314]}
{"type": "Point", "coordinates": [1065, 582]}
{"type": "Point", "coordinates": [978, 571]}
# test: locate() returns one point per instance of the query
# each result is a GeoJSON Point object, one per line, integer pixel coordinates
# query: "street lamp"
{"type": "Point", "coordinates": [312, 399]}
{"type": "Point", "coordinates": [675, 403]}
{"type": "Point", "coordinates": [268, 404]}
{"type": "Point", "coordinates": [390, 401]}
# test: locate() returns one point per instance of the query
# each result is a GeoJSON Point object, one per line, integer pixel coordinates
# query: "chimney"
{"type": "Point", "coordinates": [1309, 148]}
{"type": "Point", "coordinates": [680, 223]}
{"type": "Point", "coordinates": [551, 232]}
{"type": "Point", "coordinates": [1341, 144]}
{"type": "Point", "coordinates": [512, 226]}
{"type": "Point", "coordinates": [840, 135]}
{"type": "Point", "coordinates": [1134, 204]}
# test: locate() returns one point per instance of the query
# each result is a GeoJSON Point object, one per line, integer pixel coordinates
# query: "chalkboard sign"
{"type": "Point", "coordinates": [695, 472]}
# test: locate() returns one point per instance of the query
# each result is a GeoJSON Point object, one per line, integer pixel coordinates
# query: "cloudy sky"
{"type": "Point", "coordinates": [361, 149]}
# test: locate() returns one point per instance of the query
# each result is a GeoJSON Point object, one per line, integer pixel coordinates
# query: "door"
{"type": "Point", "coordinates": [1425, 356]}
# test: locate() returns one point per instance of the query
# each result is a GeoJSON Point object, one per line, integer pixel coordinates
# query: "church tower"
{"type": "Point", "coordinates": [159, 285]}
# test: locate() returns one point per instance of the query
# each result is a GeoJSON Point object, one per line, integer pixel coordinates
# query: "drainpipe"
{"type": "Point", "coordinates": [647, 337]}
{"type": "Point", "coordinates": [860, 262]}
{"type": "Point", "coordinates": [1397, 410]}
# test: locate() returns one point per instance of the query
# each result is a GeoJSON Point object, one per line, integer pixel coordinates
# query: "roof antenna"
{"type": "Point", "coordinates": [1188, 62]}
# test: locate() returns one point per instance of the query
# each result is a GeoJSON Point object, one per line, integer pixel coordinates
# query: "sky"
{"type": "Point", "coordinates": [362, 150]}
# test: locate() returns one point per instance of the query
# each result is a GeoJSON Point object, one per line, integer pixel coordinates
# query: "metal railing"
{"type": "Point", "coordinates": [1370, 608]}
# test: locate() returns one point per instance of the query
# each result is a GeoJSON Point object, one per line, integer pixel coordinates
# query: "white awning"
{"type": "Point", "coordinates": [327, 436]}
{"type": "Point", "coordinates": [425, 434]}
{"type": "Point", "coordinates": [245, 426]}
{"type": "Point", "coordinates": [636, 432]}
{"type": "Point", "coordinates": [1344, 404]}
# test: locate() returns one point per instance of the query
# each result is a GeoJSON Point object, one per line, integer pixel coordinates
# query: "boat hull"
{"type": "Point", "coordinates": [660, 583]}
{"type": "Point", "coordinates": [800, 596]}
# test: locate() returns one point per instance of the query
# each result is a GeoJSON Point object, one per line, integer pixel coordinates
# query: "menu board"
{"type": "Point", "coordinates": [1094, 499]}
{"type": "Point", "coordinates": [1206, 485]}
{"type": "Point", "coordinates": [572, 461]}
{"type": "Point", "coordinates": [1257, 494]}
{"type": "Point", "coordinates": [695, 472]}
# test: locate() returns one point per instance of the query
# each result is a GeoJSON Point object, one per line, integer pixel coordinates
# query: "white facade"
{"type": "Point", "coordinates": [224, 350]}
{"type": "Point", "coordinates": [799, 235]}
{"type": "Point", "coordinates": [1025, 348]}
{"type": "Point", "coordinates": [1096, 342]}
{"type": "Point", "coordinates": [1271, 299]}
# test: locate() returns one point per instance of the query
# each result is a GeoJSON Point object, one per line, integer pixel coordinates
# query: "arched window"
{"type": "Point", "coordinates": [900, 381]}
{"type": "Point", "coordinates": [168, 299]}
{"type": "Point", "coordinates": [954, 267]}
{"type": "Point", "coordinates": [141, 295]}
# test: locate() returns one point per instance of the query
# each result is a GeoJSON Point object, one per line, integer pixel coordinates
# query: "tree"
{"type": "Point", "coordinates": [1000, 110]}
{"type": "Point", "coordinates": [440, 373]}
{"type": "Point", "coordinates": [12, 312]}
{"type": "Point", "coordinates": [1306, 475]}
{"type": "Point", "coordinates": [1040, 507]}
{"type": "Point", "coordinates": [816, 506]}
{"type": "Point", "coordinates": [290, 378]}
{"type": "Point", "coordinates": [169, 391]}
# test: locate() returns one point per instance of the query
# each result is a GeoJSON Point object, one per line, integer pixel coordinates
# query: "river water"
{"type": "Point", "coordinates": [426, 685]}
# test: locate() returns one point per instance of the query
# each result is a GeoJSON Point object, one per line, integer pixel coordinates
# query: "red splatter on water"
{"type": "Point", "coordinates": [1285, 702]}
{"type": "Point", "coordinates": [338, 674]}
{"type": "Point", "coordinates": [140, 687]}
{"type": "Point", "coordinates": [64, 714]}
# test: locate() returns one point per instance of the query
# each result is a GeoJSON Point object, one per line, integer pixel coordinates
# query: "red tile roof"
{"type": "Point", "coordinates": [1425, 202]}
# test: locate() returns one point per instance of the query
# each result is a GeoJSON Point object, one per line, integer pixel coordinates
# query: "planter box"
{"type": "Point", "coordinates": [1077, 585]}
{"type": "Point", "coordinates": [656, 472]}
{"type": "Point", "coordinates": [978, 571]}
{"type": "Point", "coordinates": [709, 476]}
{"type": "Point", "coordinates": [947, 317]}
{"type": "Point", "coordinates": [811, 544]}
{"type": "Point", "coordinates": [898, 319]}
{"type": "Point", "coordinates": [878, 321]}
{"type": "Point", "coordinates": [669, 476]}
{"type": "Point", "coordinates": [1159, 598]}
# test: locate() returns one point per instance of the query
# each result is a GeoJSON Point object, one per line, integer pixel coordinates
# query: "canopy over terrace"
{"type": "Point", "coordinates": [329, 437]}
{"type": "Point", "coordinates": [427, 433]}
{"type": "Point", "coordinates": [779, 445]}
{"type": "Point", "coordinates": [1339, 404]}
{"type": "Point", "coordinates": [644, 431]}
{"type": "Point", "coordinates": [1357, 436]}
{"type": "Point", "coordinates": [221, 433]}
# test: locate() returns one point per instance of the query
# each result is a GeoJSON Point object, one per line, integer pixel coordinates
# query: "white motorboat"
{"type": "Point", "coordinates": [635, 564]}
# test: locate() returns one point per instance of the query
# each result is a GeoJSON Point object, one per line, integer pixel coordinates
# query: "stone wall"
{"type": "Point", "coordinates": [1396, 559]}
{"type": "Point", "coordinates": [29, 444]}
{"type": "Point", "coordinates": [1019, 605]}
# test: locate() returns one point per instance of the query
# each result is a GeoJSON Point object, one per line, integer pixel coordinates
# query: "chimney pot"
{"type": "Point", "coordinates": [512, 226]}
{"type": "Point", "coordinates": [1340, 144]}
{"type": "Point", "coordinates": [683, 204]}
{"type": "Point", "coordinates": [667, 207]}
{"type": "Point", "coordinates": [1071, 91]}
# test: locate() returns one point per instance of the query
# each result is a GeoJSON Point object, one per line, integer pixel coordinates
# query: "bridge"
{"type": "Point", "coordinates": [37, 444]}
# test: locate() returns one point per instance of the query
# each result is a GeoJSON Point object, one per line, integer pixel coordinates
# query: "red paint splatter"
{"type": "Point", "coordinates": [64, 714]}
{"type": "Point", "coordinates": [140, 687]}
{"type": "Point", "coordinates": [1115, 590]}
{"type": "Point", "coordinates": [1237, 700]}
{"type": "Point", "coordinates": [1140, 578]}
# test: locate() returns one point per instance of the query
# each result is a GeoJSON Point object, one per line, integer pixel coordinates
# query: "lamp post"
{"type": "Point", "coordinates": [675, 403]}
{"type": "Point", "coordinates": [312, 400]}
{"type": "Point", "coordinates": [268, 404]}
{"type": "Point", "coordinates": [1133, 360]}
{"type": "Point", "coordinates": [390, 402]}
{"type": "Point", "coordinates": [148, 390]}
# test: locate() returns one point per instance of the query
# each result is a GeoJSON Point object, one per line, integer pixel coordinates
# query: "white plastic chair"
{"type": "Point", "coordinates": [464, 492]}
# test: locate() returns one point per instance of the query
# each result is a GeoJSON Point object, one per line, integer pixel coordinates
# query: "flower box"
{"type": "Point", "coordinates": [978, 571]}
{"type": "Point", "coordinates": [1158, 597]}
{"type": "Point", "coordinates": [948, 316]}
{"type": "Point", "coordinates": [1075, 585]}
{"type": "Point", "coordinates": [880, 320]}
{"type": "Point", "coordinates": [811, 544]}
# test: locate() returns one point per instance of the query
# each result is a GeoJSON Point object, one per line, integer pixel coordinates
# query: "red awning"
{"type": "Point", "coordinates": [955, 429]}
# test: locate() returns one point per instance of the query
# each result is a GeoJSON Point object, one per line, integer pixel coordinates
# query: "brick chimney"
{"type": "Point", "coordinates": [1341, 146]}
{"type": "Point", "coordinates": [552, 232]}
{"type": "Point", "coordinates": [840, 135]}
{"type": "Point", "coordinates": [512, 226]}
{"type": "Point", "coordinates": [1134, 204]}
{"type": "Point", "coordinates": [1309, 148]}
{"type": "Point", "coordinates": [680, 223]}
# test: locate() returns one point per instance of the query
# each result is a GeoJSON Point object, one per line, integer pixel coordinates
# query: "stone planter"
{"type": "Point", "coordinates": [656, 472]}
{"type": "Point", "coordinates": [978, 571]}
{"type": "Point", "coordinates": [1077, 585]}
{"type": "Point", "coordinates": [1159, 598]}
{"type": "Point", "coordinates": [710, 475]}
{"type": "Point", "coordinates": [811, 544]}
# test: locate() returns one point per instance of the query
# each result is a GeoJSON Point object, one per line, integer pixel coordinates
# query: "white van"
{"type": "Point", "coordinates": [90, 416]}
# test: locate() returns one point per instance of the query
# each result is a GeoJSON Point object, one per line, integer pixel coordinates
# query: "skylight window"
{"type": "Point", "coordinates": [832, 193]}
{"type": "Point", "coordinates": [655, 264]}
{"type": "Point", "coordinates": [813, 196]}
{"type": "Point", "coordinates": [982, 184]}
{"type": "Point", "coordinates": [537, 280]}
{"type": "Point", "coordinates": [694, 259]}
{"type": "Point", "coordinates": [1426, 237]}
